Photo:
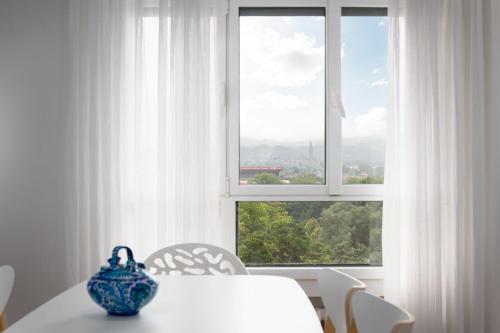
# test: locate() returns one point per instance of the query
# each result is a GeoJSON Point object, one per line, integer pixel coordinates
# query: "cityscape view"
{"type": "Point", "coordinates": [301, 163]}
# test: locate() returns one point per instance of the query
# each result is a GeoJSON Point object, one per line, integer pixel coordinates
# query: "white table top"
{"type": "Point", "coordinates": [187, 304]}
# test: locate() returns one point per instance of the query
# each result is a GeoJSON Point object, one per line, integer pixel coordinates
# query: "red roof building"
{"type": "Point", "coordinates": [249, 172]}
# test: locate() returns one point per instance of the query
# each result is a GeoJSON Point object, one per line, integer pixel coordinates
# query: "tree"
{"type": "Point", "coordinates": [305, 210]}
{"type": "Point", "coordinates": [310, 232]}
{"type": "Point", "coordinates": [347, 230]}
{"type": "Point", "coordinates": [267, 234]}
{"type": "Point", "coordinates": [307, 178]}
{"type": "Point", "coordinates": [265, 178]}
{"type": "Point", "coordinates": [318, 251]}
{"type": "Point", "coordinates": [364, 179]}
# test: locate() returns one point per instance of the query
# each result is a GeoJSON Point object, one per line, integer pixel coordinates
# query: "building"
{"type": "Point", "coordinates": [249, 172]}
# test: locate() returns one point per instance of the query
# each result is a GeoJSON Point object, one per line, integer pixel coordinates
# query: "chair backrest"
{"type": "Point", "coordinates": [336, 290]}
{"type": "Point", "coordinates": [375, 315]}
{"type": "Point", "coordinates": [194, 259]}
{"type": "Point", "coordinates": [6, 284]}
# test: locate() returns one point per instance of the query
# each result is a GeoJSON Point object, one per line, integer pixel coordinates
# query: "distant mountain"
{"type": "Point", "coordinates": [259, 142]}
{"type": "Point", "coordinates": [269, 154]}
{"type": "Point", "coordinates": [355, 151]}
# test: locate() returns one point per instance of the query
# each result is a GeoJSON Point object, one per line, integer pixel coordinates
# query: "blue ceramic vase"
{"type": "Point", "coordinates": [122, 290]}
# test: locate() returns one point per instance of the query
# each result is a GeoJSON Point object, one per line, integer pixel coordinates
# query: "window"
{"type": "Point", "coordinates": [310, 232]}
{"type": "Point", "coordinates": [364, 73]}
{"type": "Point", "coordinates": [306, 131]}
{"type": "Point", "coordinates": [282, 96]}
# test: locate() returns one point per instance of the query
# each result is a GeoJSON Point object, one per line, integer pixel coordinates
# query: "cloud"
{"type": "Point", "coordinates": [376, 70]}
{"type": "Point", "coordinates": [379, 83]}
{"type": "Point", "coordinates": [382, 23]}
{"type": "Point", "coordinates": [370, 124]}
{"type": "Point", "coordinates": [274, 101]}
{"type": "Point", "coordinates": [282, 69]}
{"type": "Point", "coordinates": [270, 58]}
{"type": "Point", "coordinates": [280, 117]}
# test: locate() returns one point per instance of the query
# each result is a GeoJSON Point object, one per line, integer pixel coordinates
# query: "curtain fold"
{"type": "Point", "coordinates": [147, 134]}
{"type": "Point", "coordinates": [435, 225]}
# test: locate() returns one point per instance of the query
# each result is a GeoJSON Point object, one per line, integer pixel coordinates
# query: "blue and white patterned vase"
{"type": "Point", "coordinates": [122, 290]}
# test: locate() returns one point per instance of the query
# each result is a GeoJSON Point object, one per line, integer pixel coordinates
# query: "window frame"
{"type": "Point", "coordinates": [333, 189]}
{"type": "Point", "coordinates": [333, 120]}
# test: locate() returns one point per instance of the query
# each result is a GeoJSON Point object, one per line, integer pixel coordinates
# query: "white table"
{"type": "Point", "coordinates": [187, 304]}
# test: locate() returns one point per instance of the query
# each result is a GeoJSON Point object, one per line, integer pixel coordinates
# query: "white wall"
{"type": "Point", "coordinates": [33, 90]}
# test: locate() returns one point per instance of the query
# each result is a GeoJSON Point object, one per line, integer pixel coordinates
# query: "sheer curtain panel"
{"type": "Point", "coordinates": [146, 140]}
{"type": "Point", "coordinates": [435, 222]}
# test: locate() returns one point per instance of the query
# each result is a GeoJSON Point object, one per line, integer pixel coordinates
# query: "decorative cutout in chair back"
{"type": "Point", "coordinates": [194, 259]}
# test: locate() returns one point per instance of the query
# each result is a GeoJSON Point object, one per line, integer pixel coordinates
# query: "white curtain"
{"type": "Point", "coordinates": [435, 223]}
{"type": "Point", "coordinates": [146, 140]}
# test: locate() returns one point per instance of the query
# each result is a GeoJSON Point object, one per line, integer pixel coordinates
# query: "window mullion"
{"type": "Point", "coordinates": [334, 121]}
{"type": "Point", "coordinates": [233, 100]}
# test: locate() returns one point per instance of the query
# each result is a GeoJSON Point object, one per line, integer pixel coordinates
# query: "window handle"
{"type": "Point", "coordinates": [337, 104]}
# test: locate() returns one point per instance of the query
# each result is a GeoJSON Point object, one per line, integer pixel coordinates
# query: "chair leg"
{"type": "Point", "coordinates": [329, 328]}
{"type": "Point", "coordinates": [3, 322]}
{"type": "Point", "coordinates": [353, 328]}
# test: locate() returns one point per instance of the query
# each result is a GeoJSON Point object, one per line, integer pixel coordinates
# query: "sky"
{"type": "Point", "coordinates": [282, 70]}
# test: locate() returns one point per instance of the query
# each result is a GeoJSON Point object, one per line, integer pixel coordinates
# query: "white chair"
{"type": "Point", "coordinates": [194, 259]}
{"type": "Point", "coordinates": [6, 284]}
{"type": "Point", "coordinates": [336, 289]}
{"type": "Point", "coordinates": [375, 315]}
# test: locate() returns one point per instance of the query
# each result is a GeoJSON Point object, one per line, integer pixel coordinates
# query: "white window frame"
{"type": "Point", "coordinates": [333, 130]}
{"type": "Point", "coordinates": [333, 190]}
{"type": "Point", "coordinates": [332, 119]}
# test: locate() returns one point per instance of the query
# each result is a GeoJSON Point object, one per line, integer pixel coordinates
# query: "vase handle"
{"type": "Point", "coordinates": [115, 259]}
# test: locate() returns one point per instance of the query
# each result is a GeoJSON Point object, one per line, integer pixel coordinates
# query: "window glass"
{"type": "Point", "coordinates": [282, 96]}
{"type": "Point", "coordinates": [364, 94]}
{"type": "Point", "coordinates": [310, 232]}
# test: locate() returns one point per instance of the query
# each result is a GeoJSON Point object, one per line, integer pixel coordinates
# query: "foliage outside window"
{"type": "Point", "coordinates": [307, 232]}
